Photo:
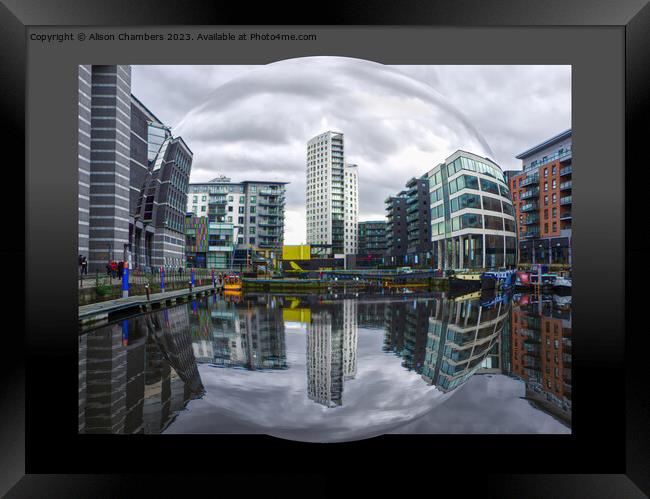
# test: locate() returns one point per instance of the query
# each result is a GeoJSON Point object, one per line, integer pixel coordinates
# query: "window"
{"type": "Point", "coordinates": [253, 199]}
{"type": "Point", "coordinates": [241, 209]}
{"type": "Point", "coordinates": [229, 219]}
{"type": "Point", "coordinates": [242, 199]}
{"type": "Point", "coordinates": [240, 220]}
{"type": "Point", "coordinates": [489, 186]}
{"type": "Point", "coordinates": [545, 200]}
{"type": "Point", "coordinates": [554, 198]}
{"type": "Point", "coordinates": [471, 220]}
{"type": "Point", "coordinates": [251, 240]}
{"type": "Point", "coordinates": [509, 225]}
{"type": "Point", "coordinates": [545, 172]}
{"type": "Point", "coordinates": [195, 199]}
{"type": "Point", "coordinates": [251, 230]}
{"type": "Point", "coordinates": [203, 208]}
{"type": "Point", "coordinates": [252, 210]}
{"type": "Point", "coordinates": [491, 204]}
{"type": "Point", "coordinates": [251, 220]}
{"type": "Point", "coordinates": [203, 198]}
{"type": "Point", "coordinates": [495, 223]}
{"type": "Point", "coordinates": [253, 188]}
{"type": "Point", "coordinates": [231, 199]}
{"type": "Point", "coordinates": [471, 182]}
{"type": "Point", "coordinates": [545, 186]}
{"type": "Point", "coordinates": [230, 209]}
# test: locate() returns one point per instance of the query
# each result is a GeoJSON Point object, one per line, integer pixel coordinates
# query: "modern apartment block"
{"type": "Point", "coordinates": [418, 221]}
{"type": "Point", "coordinates": [371, 243]}
{"type": "Point", "coordinates": [408, 230]}
{"type": "Point", "coordinates": [332, 195]}
{"type": "Point", "coordinates": [542, 199]}
{"type": "Point", "coordinates": [472, 216]}
{"type": "Point", "coordinates": [253, 209]}
{"type": "Point", "coordinates": [396, 230]}
{"type": "Point", "coordinates": [133, 175]}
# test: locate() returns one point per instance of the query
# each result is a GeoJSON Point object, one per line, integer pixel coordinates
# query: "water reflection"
{"type": "Point", "coordinates": [318, 367]}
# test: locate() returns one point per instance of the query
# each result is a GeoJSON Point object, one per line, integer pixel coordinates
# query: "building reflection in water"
{"type": "Point", "coordinates": [541, 351]}
{"type": "Point", "coordinates": [447, 340]}
{"type": "Point", "coordinates": [137, 374]}
{"type": "Point", "coordinates": [248, 334]}
{"type": "Point", "coordinates": [332, 339]}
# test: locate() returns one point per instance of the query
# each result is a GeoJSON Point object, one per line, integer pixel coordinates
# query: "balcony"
{"type": "Point", "coordinates": [566, 185]}
{"type": "Point", "coordinates": [274, 201]}
{"type": "Point", "coordinates": [531, 233]}
{"type": "Point", "coordinates": [566, 170]}
{"type": "Point", "coordinates": [412, 208]}
{"type": "Point", "coordinates": [565, 216]}
{"type": "Point", "coordinates": [531, 219]}
{"type": "Point", "coordinates": [530, 193]}
{"type": "Point", "coordinates": [566, 200]}
{"type": "Point", "coordinates": [271, 192]}
{"type": "Point", "coordinates": [529, 207]}
{"type": "Point", "coordinates": [530, 180]}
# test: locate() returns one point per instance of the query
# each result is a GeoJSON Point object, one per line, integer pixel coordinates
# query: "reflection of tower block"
{"type": "Point", "coordinates": [324, 361]}
{"type": "Point", "coordinates": [349, 339]}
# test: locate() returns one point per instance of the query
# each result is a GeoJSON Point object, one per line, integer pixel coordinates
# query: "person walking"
{"type": "Point", "coordinates": [84, 266]}
{"type": "Point", "coordinates": [120, 270]}
{"type": "Point", "coordinates": [113, 268]}
{"type": "Point", "coordinates": [81, 259]}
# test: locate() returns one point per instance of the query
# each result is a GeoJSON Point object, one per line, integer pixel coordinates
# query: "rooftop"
{"type": "Point", "coordinates": [547, 143]}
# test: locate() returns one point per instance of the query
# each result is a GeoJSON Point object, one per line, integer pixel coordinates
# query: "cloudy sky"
{"type": "Point", "coordinates": [253, 122]}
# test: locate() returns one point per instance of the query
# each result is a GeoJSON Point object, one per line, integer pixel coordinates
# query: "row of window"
{"type": "Point", "coordinates": [470, 182]}
{"type": "Point", "coordinates": [463, 163]}
{"type": "Point", "coordinates": [472, 221]}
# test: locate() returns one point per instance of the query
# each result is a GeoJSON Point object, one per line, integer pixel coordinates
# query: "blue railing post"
{"type": "Point", "coordinates": [192, 277]}
{"type": "Point", "coordinates": [125, 281]}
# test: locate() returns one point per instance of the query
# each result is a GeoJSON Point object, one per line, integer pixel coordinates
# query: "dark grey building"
{"type": "Point", "coordinates": [371, 243]}
{"type": "Point", "coordinates": [133, 175]}
{"type": "Point", "coordinates": [396, 230]}
{"type": "Point", "coordinates": [418, 221]}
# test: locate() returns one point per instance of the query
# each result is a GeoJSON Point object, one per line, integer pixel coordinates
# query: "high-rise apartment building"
{"type": "Point", "coordinates": [253, 210]}
{"type": "Point", "coordinates": [472, 216]}
{"type": "Point", "coordinates": [332, 195]}
{"type": "Point", "coordinates": [133, 175]}
{"type": "Point", "coordinates": [542, 199]}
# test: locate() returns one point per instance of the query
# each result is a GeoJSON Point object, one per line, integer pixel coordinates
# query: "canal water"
{"type": "Point", "coordinates": [332, 367]}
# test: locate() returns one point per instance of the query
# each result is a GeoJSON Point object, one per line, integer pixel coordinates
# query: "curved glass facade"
{"type": "Point", "coordinates": [472, 216]}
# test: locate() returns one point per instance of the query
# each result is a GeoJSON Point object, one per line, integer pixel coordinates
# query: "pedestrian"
{"type": "Point", "coordinates": [120, 270]}
{"type": "Point", "coordinates": [108, 269]}
{"type": "Point", "coordinates": [113, 268]}
{"type": "Point", "coordinates": [84, 266]}
{"type": "Point", "coordinates": [81, 259]}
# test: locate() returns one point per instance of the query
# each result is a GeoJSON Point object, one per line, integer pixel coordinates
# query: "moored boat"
{"type": "Point", "coordinates": [232, 283]}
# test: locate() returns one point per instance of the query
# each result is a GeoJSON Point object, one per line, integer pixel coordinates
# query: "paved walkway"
{"type": "Point", "coordinates": [105, 307]}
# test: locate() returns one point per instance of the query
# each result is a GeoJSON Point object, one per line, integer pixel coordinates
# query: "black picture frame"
{"type": "Point", "coordinates": [630, 478]}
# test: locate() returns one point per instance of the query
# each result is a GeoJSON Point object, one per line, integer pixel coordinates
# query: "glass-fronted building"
{"type": "Point", "coordinates": [472, 215]}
